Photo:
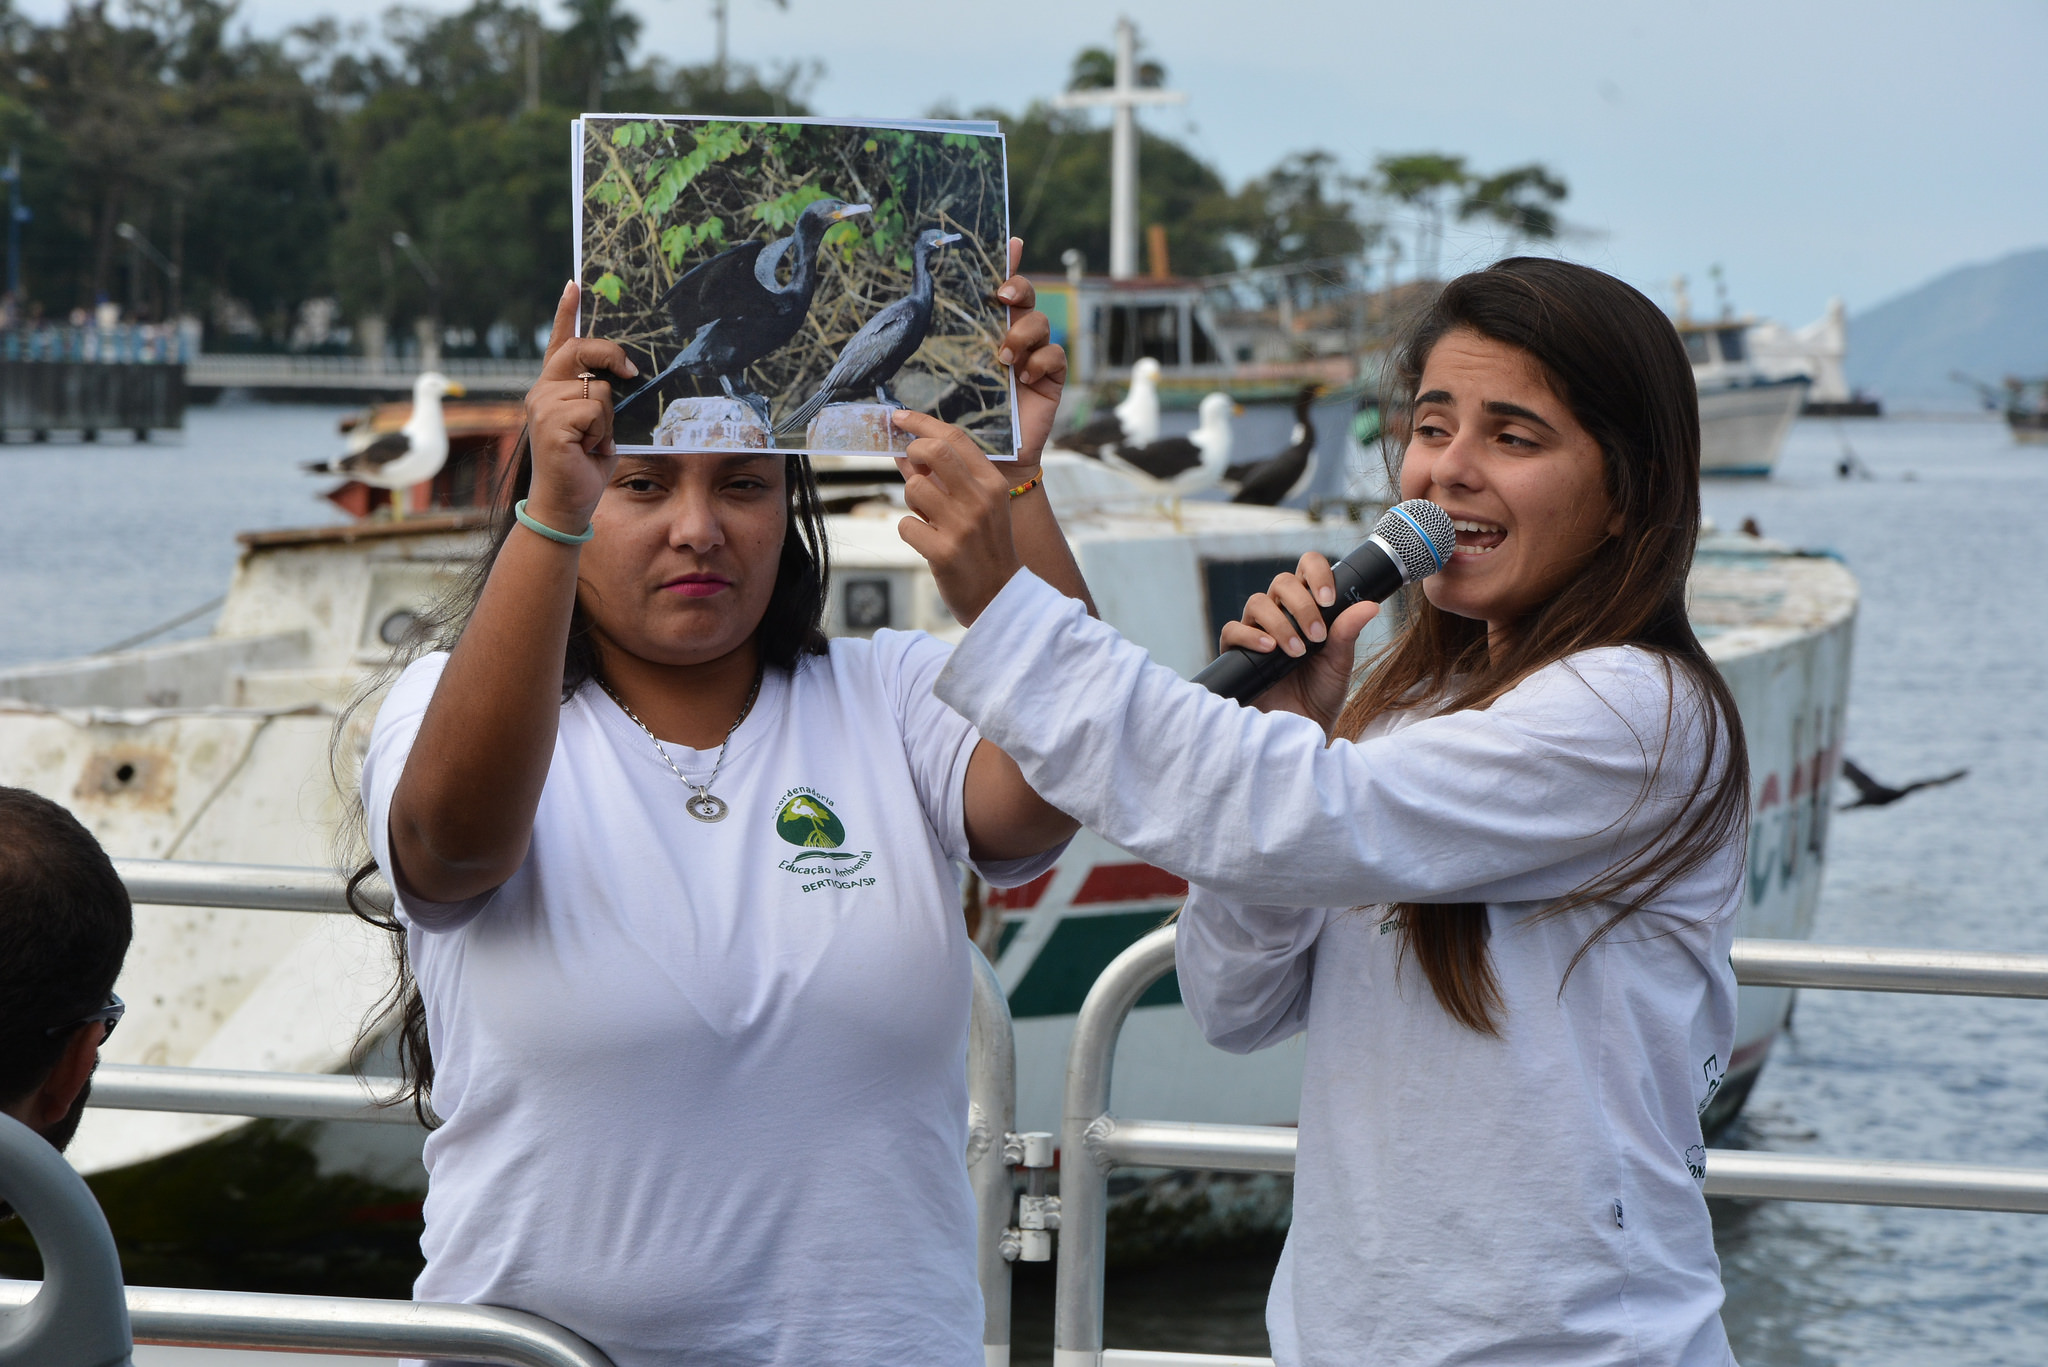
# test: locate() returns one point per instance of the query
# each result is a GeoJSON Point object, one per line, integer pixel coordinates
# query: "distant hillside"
{"type": "Point", "coordinates": [1989, 321]}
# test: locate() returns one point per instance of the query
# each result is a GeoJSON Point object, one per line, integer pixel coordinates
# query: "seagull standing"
{"type": "Point", "coordinates": [1180, 466]}
{"type": "Point", "coordinates": [410, 456]}
{"type": "Point", "coordinates": [1134, 422]}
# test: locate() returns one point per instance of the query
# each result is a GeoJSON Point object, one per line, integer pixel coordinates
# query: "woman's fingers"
{"type": "Point", "coordinates": [1238, 635]}
{"type": "Point", "coordinates": [1027, 334]}
{"type": "Point", "coordinates": [1290, 592]}
{"type": "Point", "coordinates": [1264, 614]}
{"type": "Point", "coordinates": [594, 354]}
{"type": "Point", "coordinates": [1344, 632]}
{"type": "Point", "coordinates": [1314, 571]}
{"type": "Point", "coordinates": [951, 454]}
{"type": "Point", "coordinates": [565, 319]}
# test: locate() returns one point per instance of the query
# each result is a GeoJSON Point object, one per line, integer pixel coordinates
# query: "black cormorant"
{"type": "Point", "coordinates": [729, 312]}
{"type": "Point", "coordinates": [1274, 480]}
{"type": "Point", "coordinates": [872, 356]}
{"type": "Point", "coordinates": [1871, 793]}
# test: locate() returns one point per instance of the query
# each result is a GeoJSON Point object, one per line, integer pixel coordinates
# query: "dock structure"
{"type": "Point", "coordinates": [352, 379]}
{"type": "Point", "coordinates": [90, 380]}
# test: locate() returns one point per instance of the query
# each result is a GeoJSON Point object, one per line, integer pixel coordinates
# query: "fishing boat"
{"type": "Point", "coordinates": [1744, 412]}
{"type": "Point", "coordinates": [225, 749]}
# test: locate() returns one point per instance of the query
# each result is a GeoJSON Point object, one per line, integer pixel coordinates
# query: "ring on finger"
{"type": "Point", "coordinates": [586, 376]}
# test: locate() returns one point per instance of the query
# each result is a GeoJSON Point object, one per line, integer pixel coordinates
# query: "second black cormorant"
{"type": "Point", "coordinates": [1279, 477]}
{"type": "Point", "coordinates": [872, 356]}
{"type": "Point", "coordinates": [730, 311]}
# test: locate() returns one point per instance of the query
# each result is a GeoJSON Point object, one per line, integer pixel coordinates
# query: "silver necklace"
{"type": "Point", "coordinates": [701, 803]}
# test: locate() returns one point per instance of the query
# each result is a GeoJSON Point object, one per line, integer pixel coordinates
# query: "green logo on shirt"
{"type": "Point", "coordinates": [805, 820]}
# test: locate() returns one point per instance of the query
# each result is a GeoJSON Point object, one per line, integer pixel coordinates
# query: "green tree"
{"type": "Point", "coordinates": [440, 142]}
{"type": "Point", "coordinates": [1424, 181]}
{"type": "Point", "coordinates": [1302, 210]}
{"type": "Point", "coordinates": [1095, 69]}
{"type": "Point", "coordinates": [1522, 199]}
{"type": "Point", "coordinates": [1059, 188]}
{"type": "Point", "coordinates": [156, 117]}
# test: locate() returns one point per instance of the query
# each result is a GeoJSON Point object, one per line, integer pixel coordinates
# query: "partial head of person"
{"type": "Point", "coordinates": [65, 924]}
{"type": "Point", "coordinates": [699, 553]}
{"type": "Point", "coordinates": [698, 556]}
{"type": "Point", "coordinates": [1550, 409]}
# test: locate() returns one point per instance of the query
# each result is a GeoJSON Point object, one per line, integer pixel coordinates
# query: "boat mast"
{"type": "Point", "coordinates": [1122, 99]}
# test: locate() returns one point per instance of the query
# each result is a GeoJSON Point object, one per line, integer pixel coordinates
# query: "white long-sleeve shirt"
{"type": "Point", "coordinates": [1533, 1198]}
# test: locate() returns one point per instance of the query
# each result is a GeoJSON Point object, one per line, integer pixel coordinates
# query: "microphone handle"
{"type": "Point", "coordinates": [1368, 575]}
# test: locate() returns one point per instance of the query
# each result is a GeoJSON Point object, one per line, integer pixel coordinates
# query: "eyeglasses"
{"type": "Point", "coordinates": [108, 1015]}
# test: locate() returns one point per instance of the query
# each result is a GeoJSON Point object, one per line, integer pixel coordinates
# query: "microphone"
{"type": "Point", "coordinates": [1411, 541]}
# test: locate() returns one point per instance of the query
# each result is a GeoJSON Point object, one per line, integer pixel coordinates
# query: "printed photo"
{"type": "Point", "coordinates": [786, 284]}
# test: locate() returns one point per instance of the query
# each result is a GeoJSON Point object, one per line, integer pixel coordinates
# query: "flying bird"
{"type": "Point", "coordinates": [1871, 793]}
{"type": "Point", "coordinates": [730, 311]}
{"type": "Point", "coordinates": [872, 356]}
{"type": "Point", "coordinates": [410, 456]}
{"type": "Point", "coordinates": [1134, 422]}
{"type": "Point", "coordinates": [1184, 465]}
{"type": "Point", "coordinates": [1279, 477]}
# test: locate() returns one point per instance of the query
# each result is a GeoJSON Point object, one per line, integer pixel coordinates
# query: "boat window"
{"type": "Point", "coordinates": [1137, 331]}
{"type": "Point", "coordinates": [1731, 344]}
{"type": "Point", "coordinates": [1228, 584]}
{"type": "Point", "coordinates": [1201, 350]}
{"type": "Point", "coordinates": [1696, 347]}
{"type": "Point", "coordinates": [866, 603]}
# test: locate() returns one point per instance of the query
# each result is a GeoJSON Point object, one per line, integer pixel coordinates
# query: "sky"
{"type": "Point", "coordinates": [1809, 147]}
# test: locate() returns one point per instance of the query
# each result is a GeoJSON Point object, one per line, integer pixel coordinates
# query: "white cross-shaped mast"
{"type": "Point", "coordinates": [1123, 99]}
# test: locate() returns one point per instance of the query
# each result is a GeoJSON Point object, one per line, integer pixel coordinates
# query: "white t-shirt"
{"type": "Point", "coordinates": [1530, 1199]}
{"type": "Point", "coordinates": [703, 1086]}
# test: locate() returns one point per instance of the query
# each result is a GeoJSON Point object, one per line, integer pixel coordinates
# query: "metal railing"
{"type": "Point", "coordinates": [1088, 1128]}
{"type": "Point", "coordinates": [485, 1334]}
{"type": "Point", "coordinates": [340, 1324]}
{"type": "Point", "coordinates": [328, 1324]}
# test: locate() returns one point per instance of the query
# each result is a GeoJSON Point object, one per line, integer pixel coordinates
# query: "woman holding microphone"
{"type": "Point", "coordinates": [676, 880]}
{"type": "Point", "coordinates": [1494, 884]}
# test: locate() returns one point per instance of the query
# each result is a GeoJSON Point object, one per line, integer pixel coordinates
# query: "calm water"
{"type": "Point", "coordinates": [107, 540]}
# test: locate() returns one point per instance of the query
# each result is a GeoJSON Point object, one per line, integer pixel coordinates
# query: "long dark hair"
{"type": "Point", "coordinates": [1612, 357]}
{"type": "Point", "coordinates": [792, 627]}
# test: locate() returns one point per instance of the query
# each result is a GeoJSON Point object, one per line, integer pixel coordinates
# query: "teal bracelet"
{"type": "Point", "coordinates": [534, 525]}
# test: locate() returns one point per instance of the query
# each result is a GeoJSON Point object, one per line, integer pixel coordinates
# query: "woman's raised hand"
{"type": "Point", "coordinates": [1317, 689]}
{"type": "Point", "coordinates": [569, 422]}
{"type": "Point", "coordinates": [1040, 365]}
{"type": "Point", "coordinates": [962, 504]}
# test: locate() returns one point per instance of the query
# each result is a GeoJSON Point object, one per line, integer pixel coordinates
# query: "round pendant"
{"type": "Point", "coordinates": [705, 807]}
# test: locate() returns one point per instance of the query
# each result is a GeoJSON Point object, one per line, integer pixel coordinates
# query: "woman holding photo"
{"type": "Point", "coordinates": [675, 878]}
{"type": "Point", "coordinates": [1494, 886]}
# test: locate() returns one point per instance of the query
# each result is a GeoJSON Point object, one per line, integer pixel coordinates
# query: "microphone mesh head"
{"type": "Point", "coordinates": [1420, 535]}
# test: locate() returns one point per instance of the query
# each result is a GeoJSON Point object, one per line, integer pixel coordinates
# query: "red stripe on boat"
{"type": "Point", "coordinates": [1023, 897]}
{"type": "Point", "coordinates": [1128, 883]}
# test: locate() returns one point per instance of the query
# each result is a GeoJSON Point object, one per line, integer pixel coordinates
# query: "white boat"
{"type": "Point", "coordinates": [218, 750]}
{"type": "Point", "coordinates": [1745, 411]}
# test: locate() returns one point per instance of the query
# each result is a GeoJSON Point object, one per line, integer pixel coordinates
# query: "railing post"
{"type": "Point", "coordinates": [80, 1317]}
{"type": "Point", "coordinates": [991, 1112]}
{"type": "Point", "coordinates": [1084, 1178]}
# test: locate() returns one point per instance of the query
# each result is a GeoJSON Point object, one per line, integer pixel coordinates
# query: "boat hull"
{"type": "Point", "coordinates": [1743, 426]}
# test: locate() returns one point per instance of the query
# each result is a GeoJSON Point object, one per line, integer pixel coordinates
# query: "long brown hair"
{"type": "Point", "coordinates": [792, 626]}
{"type": "Point", "coordinates": [1615, 361]}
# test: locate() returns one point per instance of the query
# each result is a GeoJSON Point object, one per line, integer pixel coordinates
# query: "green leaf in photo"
{"type": "Point", "coordinates": [607, 288]}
